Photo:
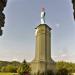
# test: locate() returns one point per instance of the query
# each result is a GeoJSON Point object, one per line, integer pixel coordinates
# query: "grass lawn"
{"type": "Point", "coordinates": [8, 74]}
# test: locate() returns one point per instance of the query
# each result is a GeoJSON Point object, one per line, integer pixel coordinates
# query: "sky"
{"type": "Point", "coordinates": [22, 16]}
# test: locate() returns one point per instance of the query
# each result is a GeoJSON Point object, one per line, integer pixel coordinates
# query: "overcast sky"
{"type": "Point", "coordinates": [22, 16]}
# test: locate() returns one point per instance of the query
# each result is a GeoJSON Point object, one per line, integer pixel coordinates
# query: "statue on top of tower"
{"type": "Point", "coordinates": [43, 16]}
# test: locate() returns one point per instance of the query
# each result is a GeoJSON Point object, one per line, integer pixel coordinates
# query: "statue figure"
{"type": "Point", "coordinates": [43, 16]}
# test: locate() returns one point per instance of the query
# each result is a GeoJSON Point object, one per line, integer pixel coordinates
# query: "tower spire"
{"type": "Point", "coordinates": [43, 16]}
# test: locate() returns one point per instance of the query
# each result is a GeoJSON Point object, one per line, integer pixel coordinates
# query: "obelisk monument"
{"type": "Point", "coordinates": [42, 61]}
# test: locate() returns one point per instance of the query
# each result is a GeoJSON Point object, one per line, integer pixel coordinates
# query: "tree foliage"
{"type": "Point", "coordinates": [69, 66]}
{"type": "Point", "coordinates": [24, 68]}
{"type": "Point", "coordinates": [6, 66]}
{"type": "Point", "coordinates": [3, 69]}
{"type": "Point", "coordinates": [50, 72]}
{"type": "Point", "coordinates": [10, 68]}
{"type": "Point", "coordinates": [73, 2]}
{"type": "Point", "coordinates": [62, 71]}
{"type": "Point", "coordinates": [15, 66]}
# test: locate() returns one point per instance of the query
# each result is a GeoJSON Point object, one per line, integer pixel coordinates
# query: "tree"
{"type": "Point", "coordinates": [73, 1]}
{"type": "Point", "coordinates": [3, 69]}
{"type": "Point", "coordinates": [24, 69]}
{"type": "Point", "coordinates": [50, 72]}
{"type": "Point", "coordinates": [62, 71]}
{"type": "Point", "coordinates": [67, 65]}
{"type": "Point", "coordinates": [11, 68]}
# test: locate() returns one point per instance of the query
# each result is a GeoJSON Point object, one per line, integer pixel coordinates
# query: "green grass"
{"type": "Point", "coordinates": [8, 74]}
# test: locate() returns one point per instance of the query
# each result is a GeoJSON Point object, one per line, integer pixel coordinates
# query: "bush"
{"type": "Point", "coordinates": [10, 68]}
{"type": "Point", "coordinates": [3, 69]}
{"type": "Point", "coordinates": [62, 71]}
{"type": "Point", "coordinates": [50, 72]}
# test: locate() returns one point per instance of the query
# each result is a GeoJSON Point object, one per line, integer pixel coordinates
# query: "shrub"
{"type": "Point", "coordinates": [62, 71]}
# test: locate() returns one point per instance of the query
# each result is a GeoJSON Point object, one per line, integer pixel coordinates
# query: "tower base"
{"type": "Point", "coordinates": [41, 66]}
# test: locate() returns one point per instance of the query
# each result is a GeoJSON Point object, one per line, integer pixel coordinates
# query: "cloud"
{"type": "Point", "coordinates": [65, 57]}
{"type": "Point", "coordinates": [57, 25]}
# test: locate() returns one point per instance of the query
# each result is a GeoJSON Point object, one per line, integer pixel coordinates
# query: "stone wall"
{"type": "Point", "coordinates": [2, 15]}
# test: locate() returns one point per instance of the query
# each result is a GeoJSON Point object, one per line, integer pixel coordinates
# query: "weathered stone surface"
{"type": "Point", "coordinates": [43, 61]}
{"type": "Point", "coordinates": [2, 16]}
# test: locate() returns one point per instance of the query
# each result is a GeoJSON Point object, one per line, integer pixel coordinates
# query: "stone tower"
{"type": "Point", "coordinates": [42, 61]}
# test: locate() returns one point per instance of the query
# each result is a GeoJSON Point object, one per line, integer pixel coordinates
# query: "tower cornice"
{"type": "Point", "coordinates": [44, 25]}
